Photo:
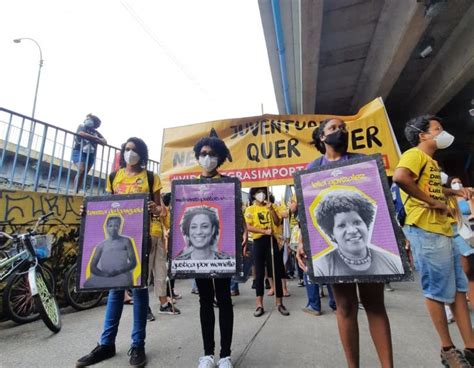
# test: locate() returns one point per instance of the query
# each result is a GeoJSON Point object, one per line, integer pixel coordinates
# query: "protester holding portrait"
{"type": "Point", "coordinates": [331, 138]}
{"type": "Point", "coordinates": [428, 227]}
{"type": "Point", "coordinates": [132, 177]}
{"type": "Point", "coordinates": [262, 222]}
{"type": "Point", "coordinates": [200, 225]}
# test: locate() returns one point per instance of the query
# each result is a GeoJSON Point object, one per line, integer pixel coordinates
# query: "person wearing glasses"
{"type": "Point", "coordinates": [211, 153]}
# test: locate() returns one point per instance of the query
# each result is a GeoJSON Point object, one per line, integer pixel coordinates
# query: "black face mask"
{"type": "Point", "coordinates": [338, 140]}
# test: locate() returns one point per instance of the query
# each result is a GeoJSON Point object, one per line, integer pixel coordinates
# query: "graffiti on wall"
{"type": "Point", "coordinates": [23, 208]}
{"type": "Point", "coordinates": [19, 210]}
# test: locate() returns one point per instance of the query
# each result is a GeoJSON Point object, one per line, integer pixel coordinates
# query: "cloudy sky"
{"type": "Point", "coordinates": [140, 66]}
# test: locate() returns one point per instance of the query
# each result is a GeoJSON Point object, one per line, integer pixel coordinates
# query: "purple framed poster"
{"type": "Point", "coordinates": [348, 223]}
{"type": "Point", "coordinates": [206, 228]}
{"type": "Point", "coordinates": [113, 243]}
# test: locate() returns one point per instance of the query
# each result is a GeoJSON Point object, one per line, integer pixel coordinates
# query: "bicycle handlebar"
{"type": "Point", "coordinates": [42, 219]}
{"type": "Point", "coordinates": [5, 235]}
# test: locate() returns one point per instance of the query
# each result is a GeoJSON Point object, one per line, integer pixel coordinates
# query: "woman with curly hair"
{"type": "Point", "coordinates": [132, 177]}
{"type": "Point", "coordinates": [346, 218]}
{"type": "Point", "coordinates": [201, 227]}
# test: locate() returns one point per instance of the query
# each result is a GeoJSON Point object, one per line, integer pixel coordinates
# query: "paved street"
{"type": "Point", "coordinates": [300, 340]}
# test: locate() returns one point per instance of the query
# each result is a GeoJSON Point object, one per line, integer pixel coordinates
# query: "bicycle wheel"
{"type": "Point", "coordinates": [79, 300]}
{"type": "Point", "coordinates": [18, 303]}
{"type": "Point", "coordinates": [46, 304]}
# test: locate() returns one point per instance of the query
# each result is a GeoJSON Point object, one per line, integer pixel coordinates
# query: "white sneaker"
{"type": "Point", "coordinates": [225, 363]}
{"type": "Point", "coordinates": [207, 361]}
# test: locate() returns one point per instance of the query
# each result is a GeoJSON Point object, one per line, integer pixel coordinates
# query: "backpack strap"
{"type": "Point", "coordinates": [112, 176]}
{"type": "Point", "coordinates": [151, 181]}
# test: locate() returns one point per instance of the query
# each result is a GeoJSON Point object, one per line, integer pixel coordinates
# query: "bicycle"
{"type": "Point", "coordinates": [62, 265]}
{"type": "Point", "coordinates": [21, 264]}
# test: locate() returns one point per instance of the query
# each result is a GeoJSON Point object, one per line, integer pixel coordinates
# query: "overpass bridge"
{"type": "Point", "coordinates": [334, 56]}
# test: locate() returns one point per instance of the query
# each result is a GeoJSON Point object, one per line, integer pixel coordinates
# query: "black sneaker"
{"type": "Point", "coordinates": [454, 358]}
{"type": "Point", "coordinates": [137, 356]}
{"type": "Point", "coordinates": [168, 309]}
{"type": "Point", "coordinates": [100, 353]}
{"type": "Point", "coordinates": [259, 312]}
{"type": "Point", "coordinates": [300, 283]}
{"type": "Point", "coordinates": [469, 356]}
{"type": "Point", "coordinates": [150, 317]}
{"type": "Point", "coordinates": [283, 311]}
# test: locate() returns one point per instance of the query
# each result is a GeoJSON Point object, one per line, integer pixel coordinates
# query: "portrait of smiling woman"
{"type": "Point", "coordinates": [346, 217]}
{"type": "Point", "coordinates": [200, 229]}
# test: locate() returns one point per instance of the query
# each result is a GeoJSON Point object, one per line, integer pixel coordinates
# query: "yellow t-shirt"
{"type": "Point", "coordinates": [430, 182]}
{"type": "Point", "coordinates": [167, 220]}
{"type": "Point", "coordinates": [125, 184]}
{"type": "Point", "coordinates": [259, 217]}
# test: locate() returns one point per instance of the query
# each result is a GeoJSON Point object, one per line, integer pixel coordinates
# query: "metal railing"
{"type": "Point", "coordinates": [36, 156]}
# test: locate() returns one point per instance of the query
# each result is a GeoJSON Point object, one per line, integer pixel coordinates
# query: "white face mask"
{"type": "Point", "coordinates": [131, 157]}
{"type": "Point", "coordinates": [208, 163]}
{"type": "Point", "coordinates": [443, 140]}
{"type": "Point", "coordinates": [260, 196]}
{"type": "Point", "coordinates": [89, 123]}
{"type": "Point", "coordinates": [444, 178]}
{"type": "Point", "coordinates": [456, 186]}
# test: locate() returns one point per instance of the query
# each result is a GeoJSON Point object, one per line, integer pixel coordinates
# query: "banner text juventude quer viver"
{"type": "Point", "coordinates": [268, 149]}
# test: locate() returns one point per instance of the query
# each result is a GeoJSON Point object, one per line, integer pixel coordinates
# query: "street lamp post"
{"type": "Point", "coordinates": [33, 123]}
{"type": "Point", "coordinates": [18, 40]}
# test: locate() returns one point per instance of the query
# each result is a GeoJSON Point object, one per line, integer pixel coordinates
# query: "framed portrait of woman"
{"type": "Point", "coordinates": [206, 228]}
{"type": "Point", "coordinates": [348, 224]}
{"type": "Point", "coordinates": [113, 243]}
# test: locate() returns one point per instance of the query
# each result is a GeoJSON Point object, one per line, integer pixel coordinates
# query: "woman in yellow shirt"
{"type": "Point", "coordinates": [262, 222]}
{"type": "Point", "coordinates": [132, 177]}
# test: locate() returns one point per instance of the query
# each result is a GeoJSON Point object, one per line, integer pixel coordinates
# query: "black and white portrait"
{"type": "Point", "coordinates": [114, 259]}
{"type": "Point", "coordinates": [346, 217]}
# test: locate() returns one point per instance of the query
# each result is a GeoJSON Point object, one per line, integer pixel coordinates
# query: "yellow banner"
{"type": "Point", "coordinates": [268, 149]}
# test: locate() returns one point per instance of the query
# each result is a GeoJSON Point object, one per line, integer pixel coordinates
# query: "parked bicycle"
{"type": "Point", "coordinates": [22, 262]}
{"type": "Point", "coordinates": [62, 264]}
{"type": "Point", "coordinates": [59, 270]}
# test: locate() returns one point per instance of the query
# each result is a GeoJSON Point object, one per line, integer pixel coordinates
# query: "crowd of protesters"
{"type": "Point", "coordinates": [435, 214]}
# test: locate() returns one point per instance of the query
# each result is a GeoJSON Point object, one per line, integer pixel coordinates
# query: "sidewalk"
{"type": "Point", "coordinates": [300, 340]}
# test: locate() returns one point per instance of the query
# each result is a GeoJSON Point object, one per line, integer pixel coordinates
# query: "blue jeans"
{"type": "Point", "coordinates": [113, 313]}
{"type": "Point", "coordinates": [314, 300]}
{"type": "Point", "coordinates": [438, 262]}
{"type": "Point", "coordinates": [234, 285]}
